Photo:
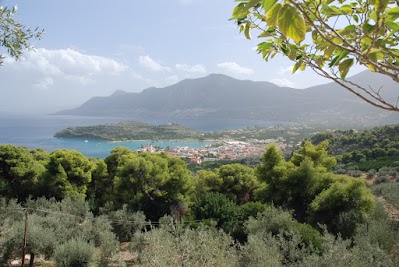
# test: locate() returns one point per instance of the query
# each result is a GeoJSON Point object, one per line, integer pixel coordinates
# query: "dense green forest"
{"type": "Point", "coordinates": [150, 210]}
{"type": "Point", "coordinates": [368, 149]}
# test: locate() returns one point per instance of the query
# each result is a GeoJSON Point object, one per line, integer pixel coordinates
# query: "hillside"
{"type": "Point", "coordinates": [130, 130]}
{"type": "Point", "coordinates": [367, 149]}
{"type": "Point", "coordinates": [222, 97]}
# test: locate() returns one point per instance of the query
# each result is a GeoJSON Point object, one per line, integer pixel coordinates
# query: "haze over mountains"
{"type": "Point", "coordinates": [219, 96]}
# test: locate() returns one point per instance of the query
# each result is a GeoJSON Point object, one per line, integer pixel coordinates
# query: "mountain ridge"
{"type": "Point", "coordinates": [221, 96]}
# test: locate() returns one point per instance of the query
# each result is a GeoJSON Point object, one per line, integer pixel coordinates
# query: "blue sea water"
{"type": "Point", "coordinates": [37, 132]}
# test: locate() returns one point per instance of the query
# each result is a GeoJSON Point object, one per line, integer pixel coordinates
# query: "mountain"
{"type": "Point", "coordinates": [222, 97]}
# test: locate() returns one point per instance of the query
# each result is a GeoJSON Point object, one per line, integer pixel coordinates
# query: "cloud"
{"type": "Point", "coordinates": [283, 82]}
{"type": "Point", "coordinates": [191, 69]}
{"type": "Point", "coordinates": [44, 84]}
{"type": "Point", "coordinates": [234, 68]}
{"type": "Point", "coordinates": [65, 63]}
{"type": "Point", "coordinates": [148, 62]}
{"type": "Point", "coordinates": [171, 79]}
{"type": "Point", "coordinates": [285, 71]}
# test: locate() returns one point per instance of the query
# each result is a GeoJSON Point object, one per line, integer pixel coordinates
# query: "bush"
{"type": "Point", "coordinates": [74, 253]}
{"type": "Point", "coordinates": [275, 222]}
{"type": "Point", "coordinates": [217, 207]}
{"type": "Point", "coordinates": [176, 245]}
{"type": "Point", "coordinates": [127, 223]}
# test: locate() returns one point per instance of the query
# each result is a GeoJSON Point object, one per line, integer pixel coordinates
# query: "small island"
{"type": "Point", "coordinates": [131, 130]}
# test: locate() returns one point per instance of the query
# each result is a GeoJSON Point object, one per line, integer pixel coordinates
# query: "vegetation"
{"type": "Point", "coordinates": [14, 36]}
{"type": "Point", "coordinates": [291, 212]}
{"type": "Point", "coordinates": [368, 149]}
{"type": "Point", "coordinates": [130, 130]}
{"type": "Point", "coordinates": [329, 37]}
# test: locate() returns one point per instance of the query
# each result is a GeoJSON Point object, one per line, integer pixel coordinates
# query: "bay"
{"type": "Point", "coordinates": [37, 132]}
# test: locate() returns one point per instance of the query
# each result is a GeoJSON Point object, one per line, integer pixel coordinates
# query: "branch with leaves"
{"type": "Point", "coordinates": [328, 36]}
{"type": "Point", "coordinates": [14, 36]}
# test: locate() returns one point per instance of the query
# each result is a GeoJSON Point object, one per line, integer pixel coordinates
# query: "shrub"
{"type": "Point", "coordinates": [217, 207]}
{"type": "Point", "coordinates": [74, 253]}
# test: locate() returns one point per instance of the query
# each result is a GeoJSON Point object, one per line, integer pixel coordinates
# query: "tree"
{"type": "Point", "coordinates": [329, 37]}
{"type": "Point", "coordinates": [19, 172]}
{"type": "Point", "coordinates": [315, 195]}
{"type": "Point", "coordinates": [151, 183]}
{"type": "Point", "coordinates": [233, 180]}
{"type": "Point", "coordinates": [14, 36]}
{"type": "Point", "coordinates": [68, 174]}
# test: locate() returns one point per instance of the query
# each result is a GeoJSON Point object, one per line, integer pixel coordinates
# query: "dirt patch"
{"type": "Point", "coordinates": [392, 211]}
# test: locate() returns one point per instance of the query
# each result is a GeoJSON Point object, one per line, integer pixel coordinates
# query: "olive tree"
{"type": "Point", "coordinates": [14, 36]}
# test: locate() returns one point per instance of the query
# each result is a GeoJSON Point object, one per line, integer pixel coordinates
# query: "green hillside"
{"type": "Point", "coordinates": [368, 149]}
{"type": "Point", "coordinates": [130, 130]}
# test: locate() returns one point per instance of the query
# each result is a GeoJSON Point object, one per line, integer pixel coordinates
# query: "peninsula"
{"type": "Point", "coordinates": [130, 130]}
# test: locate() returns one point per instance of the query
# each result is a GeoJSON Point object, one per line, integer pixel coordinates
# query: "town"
{"type": "Point", "coordinates": [238, 144]}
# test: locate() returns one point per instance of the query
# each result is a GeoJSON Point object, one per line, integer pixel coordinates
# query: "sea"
{"type": "Point", "coordinates": [37, 131]}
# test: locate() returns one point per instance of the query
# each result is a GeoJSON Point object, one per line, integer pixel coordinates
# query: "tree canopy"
{"type": "Point", "coordinates": [328, 36]}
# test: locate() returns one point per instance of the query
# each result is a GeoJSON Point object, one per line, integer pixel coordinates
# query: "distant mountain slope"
{"type": "Point", "coordinates": [220, 96]}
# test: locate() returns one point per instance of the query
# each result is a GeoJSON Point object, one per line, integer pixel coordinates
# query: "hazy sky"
{"type": "Point", "coordinates": [92, 48]}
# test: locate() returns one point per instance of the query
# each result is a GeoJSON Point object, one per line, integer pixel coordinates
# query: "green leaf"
{"type": "Point", "coordinates": [392, 25]}
{"type": "Point", "coordinates": [393, 13]}
{"type": "Point", "coordinates": [330, 10]}
{"type": "Point", "coordinates": [265, 49]}
{"type": "Point", "coordinates": [267, 4]}
{"type": "Point", "coordinates": [272, 15]}
{"type": "Point", "coordinates": [346, 9]}
{"type": "Point", "coordinates": [328, 52]}
{"type": "Point", "coordinates": [296, 66]}
{"type": "Point", "coordinates": [247, 29]}
{"type": "Point", "coordinates": [345, 66]}
{"type": "Point", "coordinates": [239, 11]}
{"type": "Point", "coordinates": [291, 23]}
{"type": "Point", "coordinates": [251, 3]}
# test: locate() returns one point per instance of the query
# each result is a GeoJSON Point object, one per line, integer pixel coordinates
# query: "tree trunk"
{"type": "Point", "coordinates": [32, 259]}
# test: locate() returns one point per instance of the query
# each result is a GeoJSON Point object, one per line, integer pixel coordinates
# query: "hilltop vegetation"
{"type": "Point", "coordinates": [130, 130]}
{"type": "Point", "coordinates": [368, 149]}
{"type": "Point", "coordinates": [283, 212]}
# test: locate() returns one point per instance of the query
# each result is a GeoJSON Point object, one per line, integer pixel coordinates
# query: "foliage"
{"type": "Point", "coordinates": [368, 149]}
{"type": "Point", "coordinates": [68, 174]}
{"type": "Point", "coordinates": [14, 36]}
{"type": "Point", "coordinates": [274, 221]}
{"type": "Point", "coordinates": [151, 183]}
{"type": "Point", "coordinates": [343, 195]}
{"type": "Point", "coordinates": [304, 185]}
{"type": "Point", "coordinates": [389, 191]}
{"type": "Point", "coordinates": [126, 224]}
{"type": "Point", "coordinates": [316, 153]}
{"type": "Point", "coordinates": [234, 180]}
{"type": "Point", "coordinates": [379, 230]}
{"type": "Point", "coordinates": [329, 37]}
{"type": "Point", "coordinates": [50, 225]}
{"type": "Point", "coordinates": [130, 130]}
{"type": "Point", "coordinates": [217, 207]}
{"type": "Point", "coordinates": [19, 172]}
{"type": "Point", "coordinates": [75, 252]}
{"type": "Point", "coordinates": [176, 245]}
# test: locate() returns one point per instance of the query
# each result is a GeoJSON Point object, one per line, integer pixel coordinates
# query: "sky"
{"type": "Point", "coordinates": [93, 48]}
